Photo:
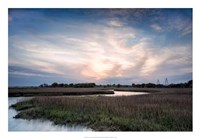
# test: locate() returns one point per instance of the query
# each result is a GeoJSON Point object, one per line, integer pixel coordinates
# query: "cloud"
{"type": "Point", "coordinates": [186, 30]}
{"type": "Point", "coordinates": [181, 24]}
{"type": "Point", "coordinates": [89, 51]}
{"type": "Point", "coordinates": [100, 56]}
{"type": "Point", "coordinates": [115, 23]}
{"type": "Point", "coordinates": [97, 60]}
{"type": "Point", "coordinates": [156, 27]}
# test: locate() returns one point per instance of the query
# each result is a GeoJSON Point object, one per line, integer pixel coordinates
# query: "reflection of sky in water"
{"type": "Point", "coordinates": [127, 93]}
{"type": "Point", "coordinates": [35, 125]}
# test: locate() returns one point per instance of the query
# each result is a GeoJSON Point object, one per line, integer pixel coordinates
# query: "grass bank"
{"type": "Point", "coordinates": [56, 91]}
{"type": "Point", "coordinates": [154, 112]}
{"type": "Point", "coordinates": [62, 91]}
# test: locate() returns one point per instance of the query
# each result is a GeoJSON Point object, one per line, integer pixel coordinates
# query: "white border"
{"type": "Point", "coordinates": [5, 4]}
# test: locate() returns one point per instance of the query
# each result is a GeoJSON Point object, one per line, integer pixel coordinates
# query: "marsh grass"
{"type": "Point", "coordinates": [154, 112]}
{"type": "Point", "coordinates": [57, 91]}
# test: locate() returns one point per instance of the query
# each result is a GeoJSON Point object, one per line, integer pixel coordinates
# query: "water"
{"type": "Point", "coordinates": [45, 125]}
{"type": "Point", "coordinates": [35, 125]}
{"type": "Point", "coordinates": [126, 93]}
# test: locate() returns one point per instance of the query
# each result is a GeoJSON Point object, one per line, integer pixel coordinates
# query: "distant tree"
{"type": "Point", "coordinates": [113, 85]}
{"type": "Point", "coordinates": [190, 83]}
{"type": "Point", "coordinates": [66, 85]}
{"type": "Point", "coordinates": [44, 85]}
{"type": "Point", "coordinates": [150, 85]}
{"type": "Point", "coordinates": [92, 84]}
{"type": "Point", "coordinates": [108, 85]}
{"type": "Point", "coordinates": [71, 85]}
{"type": "Point", "coordinates": [61, 85]}
{"type": "Point", "coordinates": [143, 85]}
{"type": "Point", "coordinates": [41, 85]}
{"type": "Point", "coordinates": [159, 85]}
{"type": "Point", "coordinates": [54, 84]}
{"type": "Point", "coordinates": [118, 85]}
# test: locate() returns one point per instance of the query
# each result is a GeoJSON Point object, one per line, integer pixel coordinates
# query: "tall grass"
{"type": "Point", "coordinates": [154, 112]}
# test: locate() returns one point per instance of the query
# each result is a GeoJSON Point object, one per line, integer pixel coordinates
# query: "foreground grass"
{"type": "Point", "coordinates": [154, 112]}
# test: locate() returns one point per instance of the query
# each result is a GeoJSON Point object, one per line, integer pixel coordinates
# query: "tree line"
{"type": "Point", "coordinates": [77, 85]}
{"type": "Point", "coordinates": [152, 85]}
{"type": "Point", "coordinates": [143, 85]}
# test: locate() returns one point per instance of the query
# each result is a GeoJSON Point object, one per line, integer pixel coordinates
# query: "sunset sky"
{"type": "Point", "coordinates": [104, 46]}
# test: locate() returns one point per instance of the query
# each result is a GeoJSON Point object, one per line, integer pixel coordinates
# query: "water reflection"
{"type": "Point", "coordinates": [126, 93]}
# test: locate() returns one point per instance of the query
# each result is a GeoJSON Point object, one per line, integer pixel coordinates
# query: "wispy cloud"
{"type": "Point", "coordinates": [115, 23]}
{"type": "Point", "coordinates": [95, 59]}
{"type": "Point", "coordinates": [93, 51]}
{"type": "Point", "coordinates": [156, 27]}
{"type": "Point", "coordinates": [184, 26]}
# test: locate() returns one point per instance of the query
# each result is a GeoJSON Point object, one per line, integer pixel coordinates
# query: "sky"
{"type": "Point", "coordinates": [104, 46]}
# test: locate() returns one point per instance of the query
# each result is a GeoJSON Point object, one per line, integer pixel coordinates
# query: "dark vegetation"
{"type": "Point", "coordinates": [153, 112]}
{"type": "Point", "coordinates": [78, 85]}
{"type": "Point", "coordinates": [56, 89]}
{"type": "Point", "coordinates": [143, 85]}
{"type": "Point", "coordinates": [152, 85]}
